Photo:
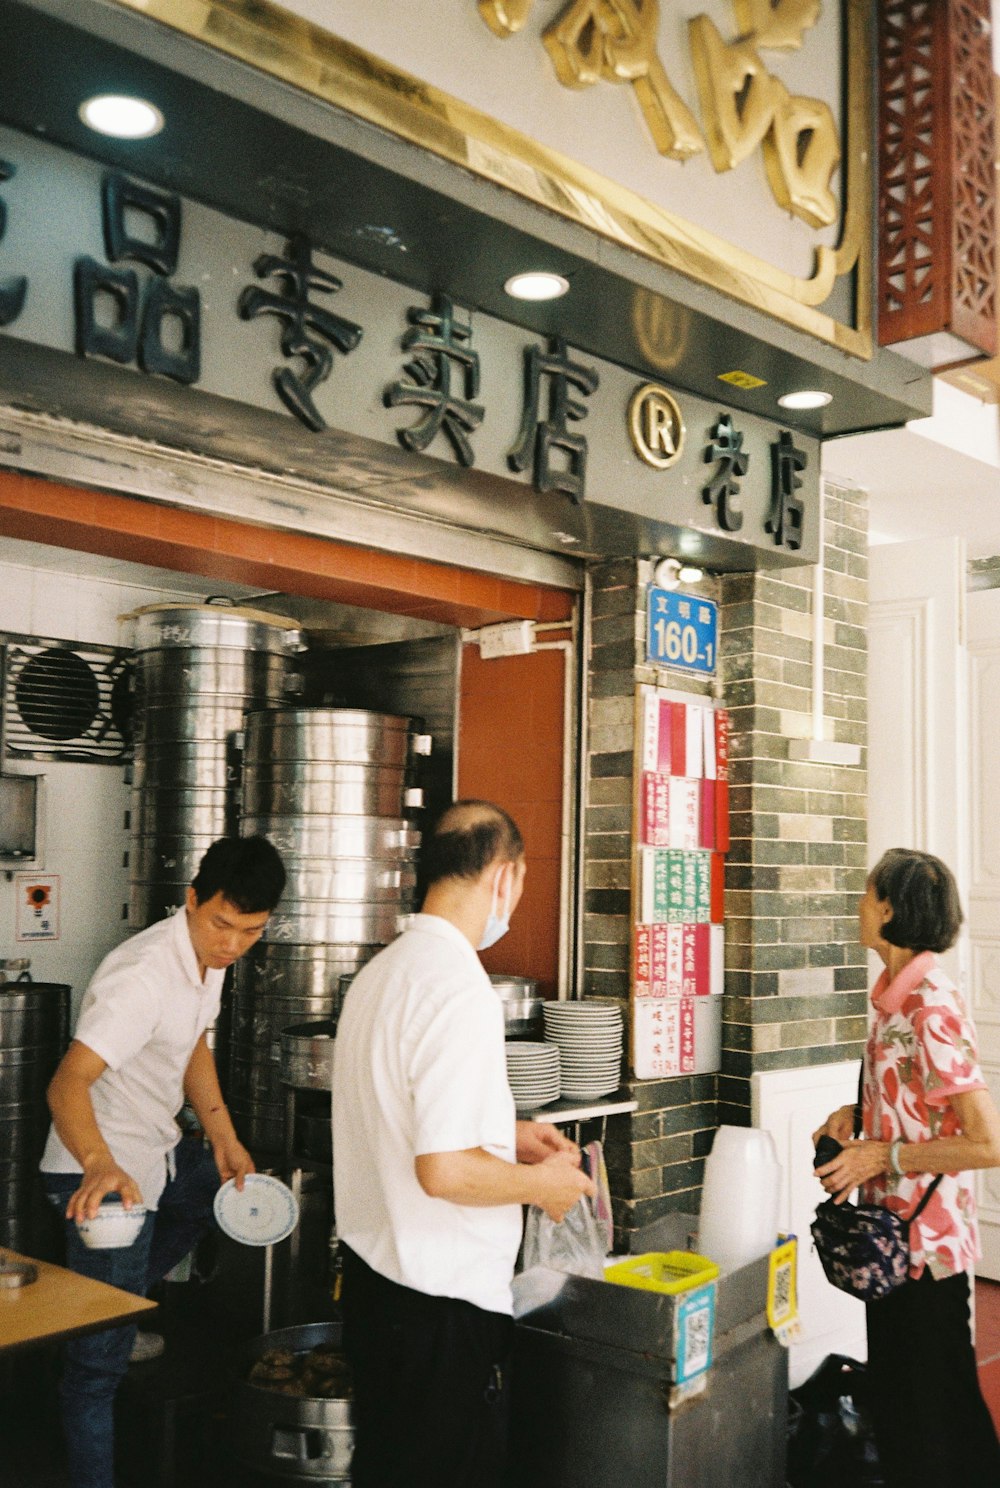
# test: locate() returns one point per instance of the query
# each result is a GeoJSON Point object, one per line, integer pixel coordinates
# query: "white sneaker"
{"type": "Point", "coordinates": [147, 1346]}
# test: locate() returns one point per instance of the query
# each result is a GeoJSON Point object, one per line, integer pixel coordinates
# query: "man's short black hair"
{"type": "Point", "coordinates": [468, 837]}
{"type": "Point", "coordinates": [247, 871]}
{"type": "Point", "coordinates": [926, 914]}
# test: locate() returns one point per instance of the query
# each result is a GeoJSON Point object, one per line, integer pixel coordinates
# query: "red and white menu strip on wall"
{"type": "Point", "coordinates": [681, 835]}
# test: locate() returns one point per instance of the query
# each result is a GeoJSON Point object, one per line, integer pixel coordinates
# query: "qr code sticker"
{"type": "Point", "coordinates": [697, 1340]}
{"type": "Point", "coordinates": [783, 1290]}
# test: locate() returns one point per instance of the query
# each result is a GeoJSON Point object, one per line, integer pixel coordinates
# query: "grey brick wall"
{"type": "Point", "coordinates": [795, 978]}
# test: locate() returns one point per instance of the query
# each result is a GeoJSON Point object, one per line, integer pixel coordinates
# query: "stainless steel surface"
{"type": "Point", "coordinates": [304, 970]}
{"type": "Point", "coordinates": [259, 1124]}
{"type": "Point", "coordinates": [513, 987]}
{"type": "Point", "coordinates": [298, 1438]}
{"type": "Point", "coordinates": [312, 735]}
{"type": "Point", "coordinates": [172, 812]}
{"type": "Point", "coordinates": [254, 1019]}
{"type": "Point", "coordinates": [33, 1013]}
{"type": "Point", "coordinates": [211, 766]}
{"type": "Point", "coordinates": [307, 1055]}
{"type": "Point", "coordinates": [323, 922]}
{"type": "Point", "coordinates": [156, 859]}
{"type": "Point", "coordinates": [593, 1383]}
{"type": "Point", "coordinates": [365, 880]}
{"type": "Point", "coordinates": [15, 1274]}
{"type": "Point", "coordinates": [191, 720]}
{"type": "Point", "coordinates": [328, 790]}
{"type": "Point", "coordinates": [180, 626]}
{"type": "Point", "coordinates": [307, 837]}
{"type": "Point", "coordinates": [199, 671]}
{"type": "Point", "coordinates": [522, 1018]}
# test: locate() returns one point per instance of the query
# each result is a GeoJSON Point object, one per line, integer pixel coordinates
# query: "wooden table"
{"type": "Point", "coordinates": [61, 1304]}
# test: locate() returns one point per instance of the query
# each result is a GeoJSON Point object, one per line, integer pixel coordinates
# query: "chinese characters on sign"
{"type": "Point", "coordinates": [129, 309]}
{"type": "Point", "coordinates": [682, 631]}
{"type": "Point", "coordinates": [306, 327]}
{"type": "Point", "coordinates": [147, 322]}
{"type": "Point", "coordinates": [437, 343]}
{"type": "Point", "coordinates": [37, 906]}
{"type": "Point", "coordinates": [549, 439]}
{"type": "Point", "coordinates": [786, 517]}
{"type": "Point", "coordinates": [743, 104]}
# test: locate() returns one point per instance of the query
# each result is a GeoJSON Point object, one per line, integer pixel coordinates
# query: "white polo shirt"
{"type": "Point", "coordinates": [144, 1011]}
{"type": "Point", "coordinates": [419, 1067]}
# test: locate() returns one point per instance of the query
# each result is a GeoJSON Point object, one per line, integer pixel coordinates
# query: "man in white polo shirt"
{"type": "Point", "coordinates": [430, 1172]}
{"type": "Point", "coordinates": [139, 1049]}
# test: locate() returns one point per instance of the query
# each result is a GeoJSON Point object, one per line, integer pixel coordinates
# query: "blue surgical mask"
{"type": "Point", "coordinates": [497, 924]}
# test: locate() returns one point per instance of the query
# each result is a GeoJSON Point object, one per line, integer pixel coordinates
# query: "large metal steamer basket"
{"type": "Point", "coordinates": [199, 667]}
{"type": "Point", "coordinates": [293, 1438]}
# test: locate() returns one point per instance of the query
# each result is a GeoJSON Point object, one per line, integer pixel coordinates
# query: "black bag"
{"type": "Point", "coordinates": [865, 1249]}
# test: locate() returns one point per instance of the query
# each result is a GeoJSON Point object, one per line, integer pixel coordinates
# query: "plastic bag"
{"type": "Point", "coordinates": [830, 1439]}
{"type": "Point", "coordinates": [576, 1245]}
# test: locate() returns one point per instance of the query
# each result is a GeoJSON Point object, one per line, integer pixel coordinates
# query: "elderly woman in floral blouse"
{"type": "Point", "coordinates": [925, 1110]}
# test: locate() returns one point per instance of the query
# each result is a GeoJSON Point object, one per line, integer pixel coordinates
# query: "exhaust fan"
{"type": "Point", "coordinates": [64, 701]}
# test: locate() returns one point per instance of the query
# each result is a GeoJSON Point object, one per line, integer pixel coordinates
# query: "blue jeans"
{"type": "Point", "coordinates": [95, 1363]}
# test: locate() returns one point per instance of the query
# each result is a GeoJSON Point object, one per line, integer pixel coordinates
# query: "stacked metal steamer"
{"type": "Point", "coordinates": [199, 668]}
{"type": "Point", "coordinates": [34, 1029]}
{"type": "Point", "coordinates": [331, 788]}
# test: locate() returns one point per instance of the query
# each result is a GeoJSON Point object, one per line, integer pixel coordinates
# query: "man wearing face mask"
{"type": "Point", "coordinates": [430, 1172]}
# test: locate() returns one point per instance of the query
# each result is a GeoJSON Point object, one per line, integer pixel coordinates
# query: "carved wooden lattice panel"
{"type": "Point", "coordinates": [937, 192]}
{"type": "Point", "coordinates": [974, 251]}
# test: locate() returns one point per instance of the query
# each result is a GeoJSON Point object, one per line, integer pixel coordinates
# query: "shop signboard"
{"type": "Point", "coordinates": [366, 381]}
{"type": "Point", "coordinates": [729, 139]}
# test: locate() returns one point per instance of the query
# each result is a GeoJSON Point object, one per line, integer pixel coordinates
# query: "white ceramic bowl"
{"type": "Point", "coordinates": [112, 1228]}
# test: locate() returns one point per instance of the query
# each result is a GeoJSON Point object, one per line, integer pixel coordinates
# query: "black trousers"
{"type": "Point", "coordinates": [931, 1422]}
{"type": "Point", "coordinates": [431, 1385]}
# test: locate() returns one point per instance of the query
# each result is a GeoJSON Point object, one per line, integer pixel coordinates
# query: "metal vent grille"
{"type": "Point", "coordinates": [66, 701]}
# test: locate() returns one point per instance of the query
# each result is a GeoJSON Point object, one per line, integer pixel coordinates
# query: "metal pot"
{"type": "Point", "coordinates": [321, 922]}
{"type": "Point", "coordinates": [513, 987]}
{"type": "Point", "coordinates": [168, 812]}
{"type": "Point", "coordinates": [33, 1013]}
{"type": "Point", "coordinates": [183, 625]}
{"type": "Point", "coordinates": [299, 971]}
{"type": "Point", "coordinates": [259, 1124]}
{"type": "Point", "coordinates": [304, 838]}
{"type": "Point", "coordinates": [349, 881]}
{"type": "Point", "coordinates": [347, 735]}
{"type": "Point", "coordinates": [287, 1436]}
{"type": "Point", "coordinates": [522, 1017]}
{"type": "Point", "coordinates": [168, 765]}
{"type": "Point", "coordinates": [203, 671]}
{"type": "Point", "coordinates": [328, 790]}
{"type": "Point", "coordinates": [307, 1055]}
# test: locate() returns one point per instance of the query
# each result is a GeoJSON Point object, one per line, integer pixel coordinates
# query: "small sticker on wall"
{"type": "Point", "coordinates": [744, 380]}
{"type": "Point", "coordinates": [37, 896]}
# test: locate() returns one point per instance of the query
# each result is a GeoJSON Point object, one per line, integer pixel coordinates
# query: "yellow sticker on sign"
{"type": "Point", "coordinates": [782, 1296]}
{"type": "Point", "coordinates": [742, 379]}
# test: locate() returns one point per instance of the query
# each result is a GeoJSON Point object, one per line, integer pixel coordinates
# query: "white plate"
{"type": "Point", "coordinates": [264, 1213]}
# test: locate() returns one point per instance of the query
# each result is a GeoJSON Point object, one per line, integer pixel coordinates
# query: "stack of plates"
{"type": "Point", "coordinates": [533, 1072]}
{"type": "Point", "coordinates": [588, 1036]}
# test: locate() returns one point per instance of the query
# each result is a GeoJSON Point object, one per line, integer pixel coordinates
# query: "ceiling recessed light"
{"type": "Point", "coordinates": [808, 398]}
{"type": "Point", "coordinates": [122, 117]}
{"type": "Point", "coordinates": [537, 285]}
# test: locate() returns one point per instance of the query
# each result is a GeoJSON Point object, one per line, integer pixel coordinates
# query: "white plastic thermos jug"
{"type": "Point", "coordinates": [741, 1197]}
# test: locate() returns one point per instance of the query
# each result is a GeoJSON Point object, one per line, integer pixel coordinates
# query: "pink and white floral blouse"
{"type": "Point", "coordinates": [921, 1051]}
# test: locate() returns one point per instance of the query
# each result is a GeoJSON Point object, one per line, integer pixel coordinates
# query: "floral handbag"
{"type": "Point", "coordinates": [865, 1249]}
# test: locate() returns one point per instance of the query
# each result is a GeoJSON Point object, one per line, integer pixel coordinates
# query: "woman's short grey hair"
{"type": "Point", "coordinates": [926, 914]}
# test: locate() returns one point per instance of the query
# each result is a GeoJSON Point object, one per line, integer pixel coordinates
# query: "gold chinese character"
{"type": "Point", "coordinates": [776, 23]}
{"type": "Point", "coordinates": [504, 17]}
{"type": "Point", "coordinates": [738, 94]}
{"type": "Point", "coordinates": [615, 41]}
{"type": "Point", "coordinates": [801, 154]}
